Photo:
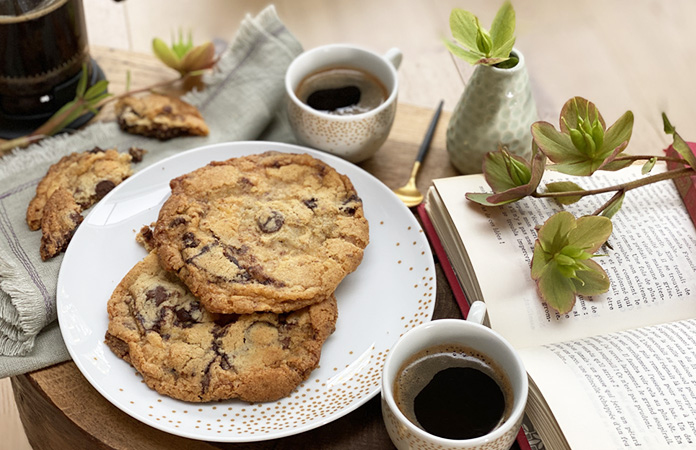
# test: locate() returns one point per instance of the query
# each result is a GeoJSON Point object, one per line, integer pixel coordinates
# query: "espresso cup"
{"type": "Point", "coordinates": [353, 136]}
{"type": "Point", "coordinates": [509, 373]}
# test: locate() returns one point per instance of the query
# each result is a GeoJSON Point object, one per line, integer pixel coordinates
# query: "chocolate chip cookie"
{"type": "Point", "coordinates": [60, 219]}
{"type": "Point", "coordinates": [183, 351]}
{"type": "Point", "coordinates": [269, 232]}
{"type": "Point", "coordinates": [88, 176]}
{"type": "Point", "coordinates": [159, 116]}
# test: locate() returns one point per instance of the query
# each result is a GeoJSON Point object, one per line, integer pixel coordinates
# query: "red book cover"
{"type": "Point", "coordinates": [686, 185]}
{"type": "Point", "coordinates": [521, 443]}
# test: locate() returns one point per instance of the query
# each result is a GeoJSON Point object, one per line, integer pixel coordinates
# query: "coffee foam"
{"type": "Point", "coordinates": [420, 369]}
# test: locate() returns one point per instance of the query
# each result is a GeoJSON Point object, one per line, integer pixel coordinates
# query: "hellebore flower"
{"type": "Point", "coordinates": [182, 56]}
{"type": "Point", "coordinates": [475, 45]}
{"type": "Point", "coordinates": [561, 264]}
{"type": "Point", "coordinates": [511, 177]}
{"type": "Point", "coordinates": [584, 144]}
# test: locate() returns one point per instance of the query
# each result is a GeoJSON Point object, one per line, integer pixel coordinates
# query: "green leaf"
{"type": "Point", "coordinates": [556, 146]}
{"type": "Point", "coordinates": [648, 166]}
{"type": "Point", "coordinates": [508, 63]}
{"type": "Point", "coordinates": [593, 281]}
{"type": "Point", "coordinates": [667, 125]}
{"type": "Point", "coordinates": [96, 89]}
{"type": "Point", "coordinates": [483, 199]}
{"type": "Point", "coordinates": [552, 235]}
{"type": "Point", "coordinates": [200, 57]}
{"type": "Point", "coordinates": [468, 56]}
{"type": "Point", "coordinates": [96, 100]}
{"type": "Point", "coordinates": [619, 133]}
{"type": "Point", "coordinates": [579, 168]}
{"type": "Point", "coordinates": [576, 108]}
{"type": "Point", "coordinates": [503, 30]}
{"type": "Point", "coordinates": [165, 54]}
{"type": "Point", "coordinates": [616, 165]}
{"type": "Point", "coordinates": [463, 25]}
{"type": "Point", "coordinates": [82, 82]}
{"type": "Point", "coordinates": [684, 150]}
{"type": "Point", "coordinates": [511, 195]}
{"type": "Point", "coordinates": [539, 261]}
{"type": "Point", "coordinates": [565, 186]}
{"type": "Point", "coordinates": [555, 289]}
{"type": "Point", "coordinates": [538, 167]}
{"type": "Point", "coordinates": [614, 207]}
{"type": "Point", "coordinates": [590, 233]}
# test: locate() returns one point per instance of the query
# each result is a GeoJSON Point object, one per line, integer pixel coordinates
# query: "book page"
{"type": "Point", "coordinates": [632, 389]}
{"type": "Point", "coordinates": [652, 267]}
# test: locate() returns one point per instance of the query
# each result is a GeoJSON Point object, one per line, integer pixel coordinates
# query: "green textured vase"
{"type": "Point", "coordinates": [496, 108]}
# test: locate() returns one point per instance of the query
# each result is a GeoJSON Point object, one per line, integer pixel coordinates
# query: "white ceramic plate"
{"type": "Point", "coordinates": [392, 291]}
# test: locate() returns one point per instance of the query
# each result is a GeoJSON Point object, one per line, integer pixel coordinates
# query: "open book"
{"type": "Point", "coordinates": [618, 371]}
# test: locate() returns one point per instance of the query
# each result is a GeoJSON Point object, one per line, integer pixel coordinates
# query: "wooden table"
{"type": "Point", "coordinates": [61, 410]}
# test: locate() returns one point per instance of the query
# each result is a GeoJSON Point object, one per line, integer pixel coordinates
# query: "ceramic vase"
{"type": "Point", "coordinates": [496, 108]}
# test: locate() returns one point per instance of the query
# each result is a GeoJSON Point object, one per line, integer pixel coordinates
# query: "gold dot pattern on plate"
{"type": "Point", "coordinates": [346, 379]}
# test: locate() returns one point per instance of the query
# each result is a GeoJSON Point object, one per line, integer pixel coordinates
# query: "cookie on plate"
{"type": "Point", "coordinates": [268, 232]}
{"type": "Point", "coordinates": [159, 116]}
{"type": "Point", "coordinates": [183, 351]}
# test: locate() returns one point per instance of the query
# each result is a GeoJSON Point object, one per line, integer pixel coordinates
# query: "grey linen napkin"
{"type": "Point", "coordinates": [242, 101]}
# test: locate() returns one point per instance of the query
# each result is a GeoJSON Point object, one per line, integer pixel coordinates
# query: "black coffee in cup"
{"type": "Point", "coordinates": [454, 392]}
{"type": "Point", "coordinates": [342, 91]}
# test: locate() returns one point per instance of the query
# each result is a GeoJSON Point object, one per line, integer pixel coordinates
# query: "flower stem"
{"type": "Point", "coordinates": [599, 210]}
{"type": "Point", "coordinates": [648, 157]}
{"type": "Point", "coordinates": [148, 88]}
{"type": "Point", "coordinates": [668, 175]}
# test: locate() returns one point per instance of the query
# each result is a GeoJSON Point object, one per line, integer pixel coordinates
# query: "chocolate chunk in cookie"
{"type": "Point", "coordinates": [270, 232]}
{"type": "Point", "coordinates": [183, 351]}
{"type": "Point", "coordinates": [159, 116]}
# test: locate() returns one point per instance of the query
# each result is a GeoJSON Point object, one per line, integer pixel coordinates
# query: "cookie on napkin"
{"type": "Point", "coordinates": [159, 116]}
{"type": "Point", "coordinates": [268, 232]}
{"type": "Point", "coordinates": [70, 186]}
{"type": "Point", "coordinates": [183, 351]}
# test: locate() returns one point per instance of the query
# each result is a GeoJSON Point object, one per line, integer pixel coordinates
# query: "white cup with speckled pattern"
{"type": "Point", "coordinates": [469, 333]}
{"type": "Point", "coordinates": [354, 137]}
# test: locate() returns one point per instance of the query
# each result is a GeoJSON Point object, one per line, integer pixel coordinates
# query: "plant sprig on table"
{"type": "Point", "coordinates": [183, 56]}
{"type": "Point", "coordinates": [562, 264]}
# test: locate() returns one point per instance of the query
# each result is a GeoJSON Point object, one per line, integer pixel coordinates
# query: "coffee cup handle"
{"type": "Point", "coordinates": [477, 312]}
{"type": "Point", "coordinates": [394, 56]}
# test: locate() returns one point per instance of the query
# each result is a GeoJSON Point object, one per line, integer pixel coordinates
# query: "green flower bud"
{"type": "Point", "coordinates": [585, 125]}
{"type": "Point", "coordinates": [483, 41]}
{"type": "Point", "coordinates": [518, 172]}
{"type": "Point", "coordinates": [572, 251]}
{"type": "Point", "coordinates": [564, 260]}
{"type": "Point", "coordinates": [591, 147]}
{"type": "Point", "coordinates": [597, 133]}
{"type": "Point", "coordinates": [577, 139]}
{"type": "Point", "coordinates": [567, 271]}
